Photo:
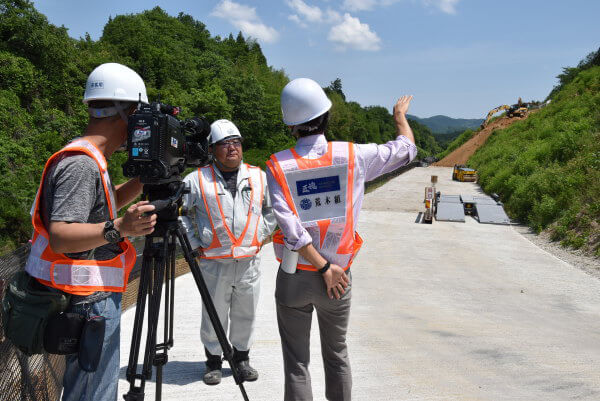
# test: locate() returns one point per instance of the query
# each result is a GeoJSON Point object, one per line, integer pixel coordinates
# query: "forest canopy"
{"type": "Point", "coordinates": [43, 73]}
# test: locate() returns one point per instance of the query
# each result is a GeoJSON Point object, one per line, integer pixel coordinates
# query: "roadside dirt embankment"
{"type": "Point", "coordinates": [463, 153]}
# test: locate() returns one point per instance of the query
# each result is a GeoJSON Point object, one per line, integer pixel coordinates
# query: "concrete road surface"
{"type": "Point", "coordinates": [448, 311]}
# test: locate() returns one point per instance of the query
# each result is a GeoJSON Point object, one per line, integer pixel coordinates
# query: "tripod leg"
{"type": "Point", "coordinates": [152, 358]}
{"type": "Point", "coordinates": [160, 356]}
{"type": "Point", "coordinates": [170, 283]}
{"type": "Point", "coordinates": [137, 392]}
{"type": "Point", "coordinates": [210, 307]}
{"type": "Point", "coordinates": [151, 281]}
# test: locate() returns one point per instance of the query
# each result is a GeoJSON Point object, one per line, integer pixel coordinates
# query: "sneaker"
{"type": "Point", "coordinates": [212, 376]}
{"type": "Point", "coordinates": [247, 372]}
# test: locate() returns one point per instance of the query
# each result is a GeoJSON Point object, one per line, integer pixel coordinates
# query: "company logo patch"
{"type": "Point", "coordinates": [318, 185]}
{"type": "Point", "coordinates": [174, 142]}
{"type": "Point", "coordinates": [141, 133]}
{"type": "Point", "coordinates": [305, 204]}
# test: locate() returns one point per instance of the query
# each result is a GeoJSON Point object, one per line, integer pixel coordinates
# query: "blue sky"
{"type": "Point", "coordinates": [457, 57]}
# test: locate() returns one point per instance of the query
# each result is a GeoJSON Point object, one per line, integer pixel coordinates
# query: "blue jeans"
{"type": "Point", "coordinates": [101, 385]}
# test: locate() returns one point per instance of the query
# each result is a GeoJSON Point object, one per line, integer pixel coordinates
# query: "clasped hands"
{"type": "Point", "coordinates": [336, 281]}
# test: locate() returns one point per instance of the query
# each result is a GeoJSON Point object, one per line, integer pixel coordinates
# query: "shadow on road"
{"type": "Point", "coordinates": [179, 373]}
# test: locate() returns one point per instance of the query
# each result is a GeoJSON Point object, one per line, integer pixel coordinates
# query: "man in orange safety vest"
{"type": "Point", "coordinates": [79, 244]}
{"type": "Point", "coordinates": [229, 218]}
{"type": "Point", "coordinates": [317, 189]}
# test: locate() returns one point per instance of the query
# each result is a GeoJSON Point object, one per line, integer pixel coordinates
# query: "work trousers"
{"type": "Point", "coordinates": [297, 295]}
{"type": "Point", "coordinates": [101, 385]}
{"type": "Point", "coordinates": [234, 286]}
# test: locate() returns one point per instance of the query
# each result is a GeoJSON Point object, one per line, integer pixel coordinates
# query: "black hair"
{"type": "Point", "coordinates": [317, 125]}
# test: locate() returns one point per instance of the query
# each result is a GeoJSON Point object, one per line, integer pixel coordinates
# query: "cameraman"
{"type": "Point", "coordinates": [230, 216]}
{"type": "Point", "coordinates": [79, 243]}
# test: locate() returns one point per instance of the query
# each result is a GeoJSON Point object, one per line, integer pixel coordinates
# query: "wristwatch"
{"type": "Point", "coordinates": [111, 234]}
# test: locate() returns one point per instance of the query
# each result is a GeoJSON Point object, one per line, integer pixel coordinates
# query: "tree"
{"type": "Point", "coordinates": [336, 86]}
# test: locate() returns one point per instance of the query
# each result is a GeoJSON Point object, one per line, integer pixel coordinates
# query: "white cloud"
{"type": "Point", "coordinates": [333, 16]}
{"type": "Point", "coordinates": [246, 20]}
{"type": "Point", "coordinates": [310, 13]}
{"type": "Point", "coordinates": [359, 5]}
{"type": "Point", "coordinates": [447, 6]}
{"type": "Point", "coordinates": [306, 14]}
{"type": "Point", "coordinates": [351, 33]}
{"type": "Point", "coordinates": [297, 20]}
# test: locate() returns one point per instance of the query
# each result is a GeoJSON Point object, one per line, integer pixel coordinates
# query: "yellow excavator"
{"type": "Point", "coordinates": [518, 109]}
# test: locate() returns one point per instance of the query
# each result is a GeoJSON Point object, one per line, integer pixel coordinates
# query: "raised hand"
{"type": "Point", "coordinates": [401, 106]}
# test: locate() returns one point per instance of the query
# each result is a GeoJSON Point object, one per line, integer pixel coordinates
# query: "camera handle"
{"type": "Point", "coordinates": [158, 266]}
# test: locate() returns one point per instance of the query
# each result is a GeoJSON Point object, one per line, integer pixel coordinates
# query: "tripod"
{"type": "Point", "coordinates": [158, 267]}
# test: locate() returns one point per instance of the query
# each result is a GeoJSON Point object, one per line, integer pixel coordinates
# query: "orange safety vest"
{"type": "Point", "coordinates": [77, 276]}
{"type": "Point", "coordinates": [224, 244]}
{"type": "Point", "coordinates": [306, 185]}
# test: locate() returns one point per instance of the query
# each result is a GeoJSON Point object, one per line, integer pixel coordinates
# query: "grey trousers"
{"type": "Point", "coordinates": [297, 295]}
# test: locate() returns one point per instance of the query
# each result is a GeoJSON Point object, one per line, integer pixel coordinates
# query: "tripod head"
{"type": "Point", "coordinates": [167, 200]}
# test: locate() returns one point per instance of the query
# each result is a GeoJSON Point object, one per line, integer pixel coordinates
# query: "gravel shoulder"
{"type": "Point", "coordinates": [573, 257]}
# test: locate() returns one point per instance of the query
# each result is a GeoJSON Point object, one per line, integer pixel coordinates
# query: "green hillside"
{"type": "Point", "coordinates": [43, 73]}
{"type": "Point", "coordinates": [547, 168]}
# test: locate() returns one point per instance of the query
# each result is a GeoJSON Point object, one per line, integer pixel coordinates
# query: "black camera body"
{"type": "Point", "coordinates": [160, 146]}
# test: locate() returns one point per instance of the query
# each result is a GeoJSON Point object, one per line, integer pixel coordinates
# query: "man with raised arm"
{"type": "Point", "coordinates": [317, 190]}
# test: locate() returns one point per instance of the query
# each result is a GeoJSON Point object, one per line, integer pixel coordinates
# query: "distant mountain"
{"type": "Point", "coordinates": [447, 125]}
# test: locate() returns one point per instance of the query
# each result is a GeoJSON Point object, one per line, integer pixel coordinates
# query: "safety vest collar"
{"type": "Point", "coordinates": [91, 147]}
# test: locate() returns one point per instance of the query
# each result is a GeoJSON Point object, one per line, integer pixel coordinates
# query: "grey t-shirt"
{"type": "Point", "coordinates": [231, 181]}
{"type": "Point", "coordinates": [73, 192]}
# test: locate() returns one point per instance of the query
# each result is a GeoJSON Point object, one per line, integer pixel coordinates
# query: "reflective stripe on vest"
{"type": "Point", "coordinates": [331, 231]}
{"type": "Point", "coordinates": [224, 243]}
{"type": "Point", "coordinates": [79, 277]}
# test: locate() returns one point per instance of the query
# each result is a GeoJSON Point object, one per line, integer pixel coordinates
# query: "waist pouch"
{"type": "Point", "coordinates": [71, 333]}
{"type": "Point", "coordinates": [92, 340]}
{"type": "Point", "coordinates": [63, 333]}
{"type": "Point", "coordinates": [27, 305]}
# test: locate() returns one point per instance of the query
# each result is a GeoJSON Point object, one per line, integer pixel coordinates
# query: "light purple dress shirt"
{"type": "Point", "coordinates": [371, 161]}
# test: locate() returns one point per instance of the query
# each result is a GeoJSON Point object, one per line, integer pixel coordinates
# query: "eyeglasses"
{"type": "Point", "coordinates": [231, 142]}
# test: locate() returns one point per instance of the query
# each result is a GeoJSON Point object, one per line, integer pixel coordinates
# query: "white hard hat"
{"type": "Point", "coordinates": [222, 129]}
{"type": "Point", "coordinates": [303, 100]}
{"type": "Point", "coordinates": [116, 82]}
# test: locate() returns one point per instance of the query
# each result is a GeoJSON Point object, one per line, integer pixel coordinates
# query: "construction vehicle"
{"type": "Point", "coordinates": [518, 109]}
{"type": "Point", "coordinates": [462, 173]}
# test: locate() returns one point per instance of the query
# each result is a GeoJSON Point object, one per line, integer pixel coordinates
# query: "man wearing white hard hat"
{"type": "Point", "coordinates": [79, 244]}
{"type": "Point", "coordinates": [317, 190]}
{"type": "Point", "coordinates": [229, 217]}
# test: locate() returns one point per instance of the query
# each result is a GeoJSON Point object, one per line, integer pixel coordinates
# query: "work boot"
{"type": "Point", "coordinates": [213, 372]}
{"type": "Point", "coordinates": [242, 362]}
{"type": "Point", "coordinates": [247, 372]}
